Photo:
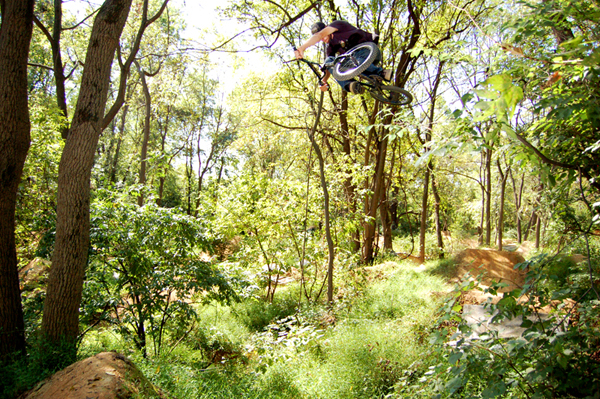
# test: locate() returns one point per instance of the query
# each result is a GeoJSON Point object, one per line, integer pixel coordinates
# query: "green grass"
{"type": "Point", "coordinates": [364, 347]}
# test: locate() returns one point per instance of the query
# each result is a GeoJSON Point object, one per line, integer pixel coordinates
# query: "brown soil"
{"type": "Point", "coordinates": [492, 265]}
{"type": "Point", "coordinates": [107, 375]}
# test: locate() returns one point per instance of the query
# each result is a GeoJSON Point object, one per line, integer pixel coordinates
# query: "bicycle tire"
{"type": "Point", "coordinates": [347, 67]}
{"type": "Point", "coordinates": [391, 95]}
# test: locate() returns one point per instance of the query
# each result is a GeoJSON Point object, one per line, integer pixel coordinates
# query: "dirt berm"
{"type": "Point", "coordinates": [108, 375]}
{"type": "Point", "coordinates": [494, 265]}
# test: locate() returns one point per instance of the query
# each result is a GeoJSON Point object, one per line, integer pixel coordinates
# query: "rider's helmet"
{"type": "Point", "coordinates": [317, 27]}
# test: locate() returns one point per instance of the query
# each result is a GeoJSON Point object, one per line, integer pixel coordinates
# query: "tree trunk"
{"type": "Point", "coordinates": [146, 137]}
{"type": "Point", "coordinates": [518, 194]}
{"type": "Point", "coordinates": [438, 223]}
{"type": "Point", "coordinates": [503, 178]}
{"type": "Point", "coordinates": [423, 224]}
{"type": "Point", "coordinates": [538, 228]}
{"type": "Point", "coordinates": [15, 36]}
{"type": "Point", "coordinates": [372, 203]}
{"type": "Point", "coordinates": [115, 161]}
{"type": "Point", "coordinates": [386, 225]}
{"type": "Point", "coordinates": [58, 70]}
{"type": "Point", "coordinates": [330, 245]}
{"type": "Point", "coordinates": [65, 283]}
{"type": "Point", "coordinates": [349, 187]}
{"type": "Point", "coordinates": [488, 196]}
{"type": "Point", "coordinates": [429, 169]}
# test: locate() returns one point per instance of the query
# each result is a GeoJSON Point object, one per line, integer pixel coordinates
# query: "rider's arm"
{"type": "Point", "coordinates": [314, 39]}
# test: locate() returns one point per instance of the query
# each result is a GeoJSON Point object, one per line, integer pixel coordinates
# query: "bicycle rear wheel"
{"type": "Point", "coordinates": [391, 95]}
{"type": "Point", "coordinates": [355, 61]}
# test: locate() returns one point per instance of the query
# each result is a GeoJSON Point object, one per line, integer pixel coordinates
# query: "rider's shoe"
{"type": "Point", "coordinates": [356, 88]}
{"type": "Point", "coordinates": [386, 74]}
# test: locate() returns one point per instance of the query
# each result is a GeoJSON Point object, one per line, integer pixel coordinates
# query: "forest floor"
{"type": "Point", "coordinates": [110, 375]}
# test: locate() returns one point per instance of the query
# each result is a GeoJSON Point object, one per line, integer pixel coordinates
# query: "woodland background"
{"type": "Point", "coordinates": [156, 198]}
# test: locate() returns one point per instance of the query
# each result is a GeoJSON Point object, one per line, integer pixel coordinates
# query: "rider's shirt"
{"type": "Point", "coordinates": [346, 37]}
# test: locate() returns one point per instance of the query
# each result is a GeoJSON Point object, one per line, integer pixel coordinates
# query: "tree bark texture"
{"type": "Point", "coordinates": [15, 38]}
{"type": "Point", "coordinates": [65, 283]}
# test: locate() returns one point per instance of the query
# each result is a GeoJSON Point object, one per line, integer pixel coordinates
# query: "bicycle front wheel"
{"type": "Point", "coordinates": [355, 61]}
{"type": "Point", "coordinates": [391, 95]}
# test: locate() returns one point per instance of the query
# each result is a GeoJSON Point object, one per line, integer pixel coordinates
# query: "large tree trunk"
{"type": "Point", "coordinates": [61, 307]}
{"type": "Point", "coordinates": [15, 37]}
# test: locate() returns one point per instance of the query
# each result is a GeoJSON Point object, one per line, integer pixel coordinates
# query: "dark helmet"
{"type": "Point", "coordinates": [317, 27]}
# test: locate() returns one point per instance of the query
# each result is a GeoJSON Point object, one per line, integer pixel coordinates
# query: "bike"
{"type": "Point", "coordinates": [352, 64]}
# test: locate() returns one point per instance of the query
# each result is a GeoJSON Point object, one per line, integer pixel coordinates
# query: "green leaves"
{"type": "Point", "coordinates": [147, 261]}
{"type": "Point", "coordinates": [501, 98]}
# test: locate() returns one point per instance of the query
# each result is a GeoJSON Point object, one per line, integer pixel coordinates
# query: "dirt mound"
{"type": "Point", "coordinates": [495, 266]}
{"type": "Point", "coordinates": [107, 375]}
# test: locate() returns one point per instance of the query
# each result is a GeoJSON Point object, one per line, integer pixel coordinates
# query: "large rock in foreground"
{"type": "Point", "coordinates": [108, 375]}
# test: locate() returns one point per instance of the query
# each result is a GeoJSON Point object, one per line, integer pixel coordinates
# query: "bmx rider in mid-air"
{"type": "Point", "coordinates": [340, 36]}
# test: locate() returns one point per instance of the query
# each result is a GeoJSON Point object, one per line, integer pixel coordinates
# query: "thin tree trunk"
{"type": "Point", "coordinates": [424, 203]}
{"type": "Point", "coordinates": [518, 194]}
{"type": "Point", "coordinates": [429, 169]}
{"type": "Point", "coordinates": [120, 133]}
{"type": "Point", "coordinates": [488, 196]}
{"type": "Point", "coordinates": [538, 228]}
{"type": "Point", "coordinates": [483, 200]}
{"type": "Point", "coordinates": [330, 247]}
{"type": "Point", "coordinates": [58, 70]}
{"type": "Point", "coordinates": [373, 203]}
{"type": "Point", "coordinates": [15, 37]}
{"type": "Point", "coordinates": [386, 225]}
{"type": "Point", "coordinates": [438, 223]}
{"type": "Point", "coordinates": [61, 307]}
{"type": "Point", "coordinates": [503, 178]}
{"type": "Point", "coordinates": [146, 137]}
{"type": "Point", "coordinates": [349, 187]}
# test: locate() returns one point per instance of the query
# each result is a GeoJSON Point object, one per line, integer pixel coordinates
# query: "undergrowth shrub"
{"type": "Point", "coordinates": [256, 314]}
{"type": "Point", "coordinates": [556, 356]}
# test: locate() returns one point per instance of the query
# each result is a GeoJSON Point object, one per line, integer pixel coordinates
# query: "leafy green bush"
{"type": "Point", "coordinates": [145, 268]}
{"type": "Point", "coordinates": [556, 356]}
{"type": "Point", "coordinates": [256, 314]}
